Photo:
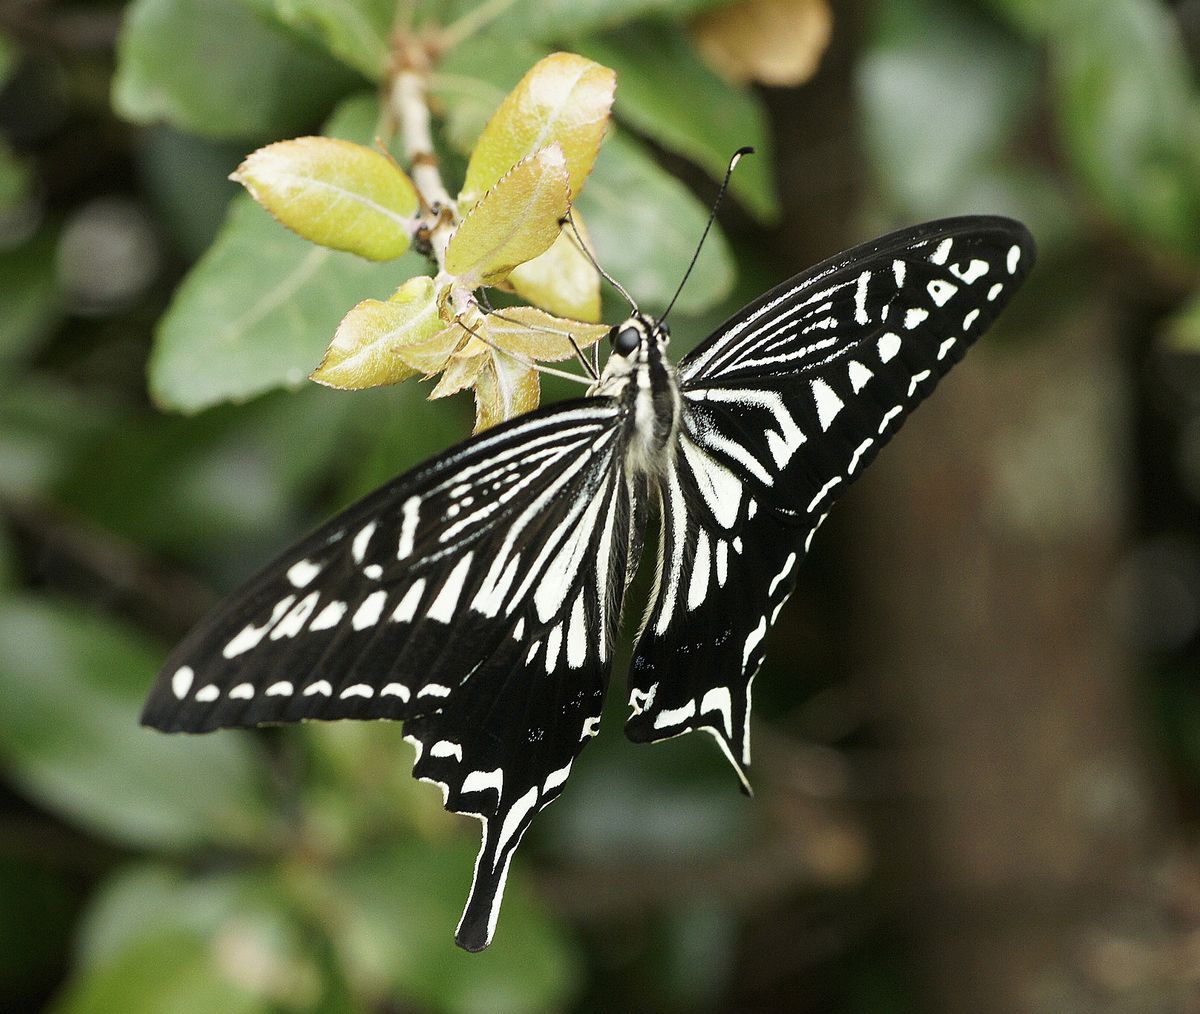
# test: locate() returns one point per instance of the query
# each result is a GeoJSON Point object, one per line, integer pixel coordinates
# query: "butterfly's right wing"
{"type": "Point", "coordinates": [475, 597]}
{"type": "Point", "coordinates": [783, 408]}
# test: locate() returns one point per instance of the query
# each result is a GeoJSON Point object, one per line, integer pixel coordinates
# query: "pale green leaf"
{"type": "Point", "coordinates": [255, 313]}
{"type": "Point", "coordinates": [70, 739]}
{"type": "Point", "coordinates": [646, 225]}
{"type": "Point", "coordinates": [365, 349]}
{"type": "Point", "coordinates": [214, 67]}
{"type": "Point", "coordinates": [514, 222]}
{"type": "Point", "coordinates": [561, 280]}
{"type": "Point", "coordinates": [354, 31]}
{"type": "Point", "coordinates": [564, 98]}
{"type": "Point", "coordinates": [535, 334]}
{"type": "Point", "coordinates": [668, 94]}
{"type": "Point", "coordinates": [339, 194]}
{"type": "Point", "coordinates": [504, 389]}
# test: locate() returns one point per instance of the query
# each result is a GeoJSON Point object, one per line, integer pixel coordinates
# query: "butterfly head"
{"type": "Point", "coordinates": [632, 337]}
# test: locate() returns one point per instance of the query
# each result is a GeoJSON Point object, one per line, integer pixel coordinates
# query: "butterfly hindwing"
{"type": "Point", "coordinates": [783, 407]}
{"type": "Point", "coordinates": [476, 598]}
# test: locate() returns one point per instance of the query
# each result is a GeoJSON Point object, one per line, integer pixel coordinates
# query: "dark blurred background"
{"type": "Point", "coordinates": [977, 742]}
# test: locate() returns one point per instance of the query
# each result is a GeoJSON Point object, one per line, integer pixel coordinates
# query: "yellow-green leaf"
{"type": "Point", "coordinates": [505, 388]}
{"type": "Point", "coordinates": [460, 373]}
{"type": "Point", "coordinates": [777, 42]}
{"type": "Point", "coordinates": [514, 222]}
{"type": "Point", "coordinates": [535, 334]}
{"type": "Point", "coordinates": [363, 351]}
{"type": "Point", "coordinates": [564, 98]}
{"type": "Point", "coordinates": [335, 193]}
{"type": "Point", "coordinates": [430, 353]}
{"type": "Point", "coordinates": [561, 280]}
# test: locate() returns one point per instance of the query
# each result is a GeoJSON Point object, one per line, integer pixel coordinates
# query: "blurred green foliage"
{"type": "Point", "coordinates": [304, 871]}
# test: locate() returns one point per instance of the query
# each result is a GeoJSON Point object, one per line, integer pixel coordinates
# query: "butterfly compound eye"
{"type": "Point", "coordinates": [625, 340]}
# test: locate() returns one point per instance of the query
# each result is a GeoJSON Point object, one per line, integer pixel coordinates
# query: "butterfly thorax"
{"type": "Point", "coordinates": [640, 377]}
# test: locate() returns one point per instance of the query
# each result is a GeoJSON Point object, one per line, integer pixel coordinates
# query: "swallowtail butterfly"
{"type": "Point", "coordinates": [477, 597]}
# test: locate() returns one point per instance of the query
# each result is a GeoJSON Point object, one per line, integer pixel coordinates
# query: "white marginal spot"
{"type": "Point", "coordinates": [722, 562]}
{"type": "Point", "coordinates": [860, 299]}
{"type": "Point", "coordinates": [718, 485]}
{"type": "Point", "coordinates": [941, 291]}
{"type": "Point", "coordinates": [641, 700]}
{"type": "Point", "coordinates": [433, 690]}
{"type": "Point", "coordinates": [752, 641]}
{"type": "Point", "coordinates": [367, 615]}
{"type": "Point", "coordinates": [918, 378]}
{"type": "Point", "coordinates": [899, 268]}
{"type": "Point", "coordinates": [443, 606]}
{"type": "Point", "coordinates": [889, 416]}
{"type": "Point", "coordinates": [181, 682]}
{"type": "Point", "coordinates": [373, 571]}
{"type": "Point", "coordinates": [945, 347]}
{"type": "Point", "coordinates": [808, 539]}
{"type": "Point", "coordinates": [737, 545]}
{"type": "Point", "coordinates": [779, 578]}
{"type": "Point", "coordinates": [519, 629]}
{"type": "Point", "coordinates": [824, 490]}
{"type": "Point", "coordinates": [972, 272]}
{"type": "Point", "coordinates": [357, 690]}
{"type": "Point", "coordinates": [302, 573]}
{"type": "Point", "coordinates": [208, 694]}
{"type": "Point", "coordinates": [859, 375]}
{"type": "Point", "coordinates": [556, 778]}
{"type": "Point", "coordinates": [1014, 258]}
{"type": "Point", "coordinates": [408, 526]}
{"type": "Point", "coordinates": [591, 726]}
{"type": "Point", "coordinates": [889, 345]}
{"type": "Point", "coordinates": [718, 699]}
{"type": "Point", "coordinates": [751, 508]}
{"type": "Point", "coordinates": [577, 635]}
{"type": "Point", "coordinates": [533, 650]}
{"type": "Point", "coordinates": [827, 402]}
{"type": "Point", "coordinates": [859, 451]}
{"type": "Point", "coordinates": [406, 608]}
{"type": "Point", "coordinates": [969, 319]}
{"type": "Point", "coordinates": [995, 291]}
{"type": "Point", "coordinates": [358, 548]}
{"type": "Point", "coordinates": [328, 617]}
{"type": "Point", "coordinates": [321, 687]}
{"type": "Point", "coordinates": [294, 622]}
{"type": "Point", "coordinates": [250, 635]}
{"type": "Point", "coordinates": [281, 689]}
{"type": "Point", "coordinates": [445, 748]}
{"type": "Point", "coordinates": [395, 690]}
{"type": "Point", "coordinates": [553, 646]}
{"type": "Point", "coordinates": [675, 716]}
{"type": "Point", "coordinates": [482, 781]}
{"type": "Point", "coordinates": [915, 317]}
{"type": "Point", "coordinates": [942, 253]}
{"type": "Point", "coordinates": [242, 692]}
{"type": "Point", "coordinates": [698, 587]}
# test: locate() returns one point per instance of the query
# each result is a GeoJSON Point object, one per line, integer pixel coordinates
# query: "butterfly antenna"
{"type": "Point", "coordinates": [596, 264]}
{"type": "Point", "coordinates": [549, 330]}
{"type": "Point", "coordinates": [712, 217]}
{"type": "Point", "coordinates": [523, 360]}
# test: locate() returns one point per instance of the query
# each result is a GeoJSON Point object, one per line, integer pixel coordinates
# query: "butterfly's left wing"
{"type": "Point", "coordinates": [783, 407]}
{"type": "Point", "coordinates": [475, 597]}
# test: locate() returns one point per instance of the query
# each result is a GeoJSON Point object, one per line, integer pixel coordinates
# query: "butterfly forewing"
{"type": "Point", "coordinates": [783, 408]}
{"type": "Point", "coordinates": [476, 597]}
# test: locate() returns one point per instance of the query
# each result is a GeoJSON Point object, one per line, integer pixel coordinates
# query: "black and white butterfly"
{"type": "Point", "coordinates": [477, 597]}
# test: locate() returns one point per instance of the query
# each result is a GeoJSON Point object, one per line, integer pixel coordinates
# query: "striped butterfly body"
{"type": "Point", "coordinates": [477, 598]}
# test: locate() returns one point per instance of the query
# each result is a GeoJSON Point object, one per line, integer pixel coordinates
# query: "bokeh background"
{"type": "Point", "coordinates": [977, 742]}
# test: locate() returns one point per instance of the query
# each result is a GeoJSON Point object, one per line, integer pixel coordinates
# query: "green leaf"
{"type": "Point", "coordinates": [1183, 330]}
{"type": "Point", "coordinates": [215, 68]}
{"type": "Point", "coordinates": [398, 908]}
{"type": "Point", "coordinates": [30, 302]}
{"type": "Point", "coordinates": [16, 180]}
{"type": "Point", "coordinates": [339, 194]}
{"type": "Point", "coordinates": [69, 736]}
{"type": "Point", "coordinates": [668, 94]}
{"type": "Point", "coordinates": [354, 31]}
{"type": "Point", "coordinates": [918, 58]}
{"type": "Point", "coordinates": [646, 225]}
{"type": "Point", "coordinates": [554, 20]}
{"type": "Point", "coordinates": [257, 311]}
{"type": "Point", "coordinates": [1129, 112]}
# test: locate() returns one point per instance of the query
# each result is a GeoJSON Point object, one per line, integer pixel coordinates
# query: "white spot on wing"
{"type": "Point", "coordinates": [941, 291]}
{"type": "Point", "coordinates": [433, 690]}
{"type": "Point", "coordinates": [577, 635]}
{"type": "Point", "coordinates": [722, 562]}
{"type": "Point", "coordinates": [513, 819]}
{"type": "Point", "coordinates": [969, 319]}
{"type": "Point", "coordinates": [1014, 258]}
{"type": "Point", "coordinates": [556, 778]}
{"type": "Point", "coordinates": [409, 515]}
{"type": "Point", "coordinates": [972, 272]}
{"type": "Point", "coordinates": [827, 402]}
{"type": "Point", "coordinates": [720, 488]}
{"type": "Point", "coordinates": [242, 692]}
{"type": "Point", "coordinates": [300, 574]}
{"type": "Point", "coordinates": [445, 748]}
{"type": "Point", "coordinates": [888, 416]}
{"type": "Point", "coordinates": [208, 694]}
{"type": "Point", "coordinates": [181, 682]}
{"type": "Point", "coordinates": [281, 689]}
{"type": "Point", "coordinates": [358, 548]}
{"type": "Point", "coordinates": [823, 491]}
{"type": "Point", "coordinates": [482, 781]}
{"type": "Point", "coordinates": [330, 616]}
{"type": "Point", "coordinates": [321, 687]}
{"type": "Point", "coordinates": [675, 716]}
{"type": "Point", "coordinates": [779, 578]}
{"type": "Point", "coordinates": [718, 699]}
{"type": "Point", "coordinates": [395, 690]}
{"type": "Point", "coordinates": [294, 622]}
{"type": "Point", "coordinates": [444, 605]}
{"type": "Point", "coordinates": [889, 345]}
{"type": "Point", "coordinates": [860, 299]}
{"type": "Point", "coordinates": [859, 375]}
{"type": "Point", "coordinates": [553, 646]}
{"type": "Point", "coordinates": [698, 587]}
{"type": "Point", "coordinates": [915, 317]}
{"type": "Point", "coordinates": [250, 635]}
{"type": "Point", "coordinates": [752, 640]}
{"type": "Point", "coordinates": [899, 269]}
{"type": "Point", "coordinates": [367, 614]}
{"type": "Point", "coordinates": [945, 347]}
{"type": "Point", "coordinates": [942, 253]}
{"type": "Point", "coordinates": [995, 291]}
{"type": "Point", "coordinates": [859, 451]}
{"type": "Point", "coordinates": [406, 608]}
{"type": "Point", "coordinates": [357, 690]}
{"type": "Point", "coordinates": [917, 379]}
